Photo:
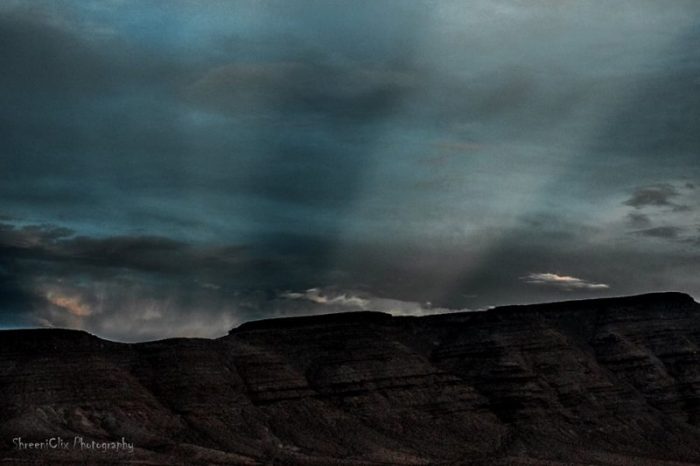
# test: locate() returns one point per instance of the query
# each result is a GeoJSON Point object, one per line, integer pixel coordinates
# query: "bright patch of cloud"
{"type": "Point", "coordinates": [318, 296]}
{"type": "Point", "coordinates": [73, 304]}
{"type": "Point", "coordinates": [343, 301]}
{"type": "Point", "coordinates": [565, 282]}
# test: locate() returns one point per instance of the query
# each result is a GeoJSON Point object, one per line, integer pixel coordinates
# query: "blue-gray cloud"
{"type": "Point", "coordinates": [197, 152]}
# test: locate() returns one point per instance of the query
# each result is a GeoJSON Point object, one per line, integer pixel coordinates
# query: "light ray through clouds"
{"type": "Point", "coordinates": [176, 168]}
{"type": "Point", "coordinates": [517, 190]}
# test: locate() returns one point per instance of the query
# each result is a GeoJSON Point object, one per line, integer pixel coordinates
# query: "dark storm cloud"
{"type": "Point", "coordinates": [128, 288]}
{"type": "Point", "coordinates": [310, 88]}
{"type": "Point", "coordinates": [665, 232]}
{"type": "Point", "coordinates": [270, 263]}
{"type": "Point", "coordinates": [660, 195]}
{"type": "Point", "coordinates": [31, 236]}
{"type": "Point", "coordinates": [363, 92]}
{"type": "Point", "coordinates": [638, 220]}
{"type": "Point", "coordinates": [59, 246]}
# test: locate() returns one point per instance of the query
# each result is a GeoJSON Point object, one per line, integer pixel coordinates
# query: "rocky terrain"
{"type": "Point", "coordinates": [605, 382]}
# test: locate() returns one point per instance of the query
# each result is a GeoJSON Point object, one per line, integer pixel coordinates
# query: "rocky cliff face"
{"type": "Point", "coordinates": [611, 381]}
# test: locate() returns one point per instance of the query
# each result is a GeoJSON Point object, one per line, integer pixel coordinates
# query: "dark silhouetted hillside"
{"type": "Point", "coordinates": [609, 382]}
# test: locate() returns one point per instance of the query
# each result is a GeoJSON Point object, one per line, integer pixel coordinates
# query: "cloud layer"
{"type": "Point", "coordinates": [175, 169]}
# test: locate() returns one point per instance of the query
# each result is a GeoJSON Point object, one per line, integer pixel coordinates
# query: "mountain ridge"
{"type": "Point", "coordinates": [660, 296]}
{"type": "Point", "coordinates": [611, 381]}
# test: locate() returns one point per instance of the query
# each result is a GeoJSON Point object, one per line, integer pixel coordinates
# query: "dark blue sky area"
{"type": "Point", "coordinates": [177, 167]}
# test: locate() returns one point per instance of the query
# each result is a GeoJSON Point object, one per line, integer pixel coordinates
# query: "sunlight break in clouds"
{"type": "Point", "coordinates": [72, 304]}
{"type": "Point", "coordinates": [565, 282]}
{"type": "Point", "coordinates": [344, 301]}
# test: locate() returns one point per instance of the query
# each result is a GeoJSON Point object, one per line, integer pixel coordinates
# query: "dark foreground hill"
{"type": "Point", "coordinates": [605, 382]}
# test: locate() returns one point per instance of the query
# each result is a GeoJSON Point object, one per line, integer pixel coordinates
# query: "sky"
{"type": "Point", "coordinates": [176, 168]}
